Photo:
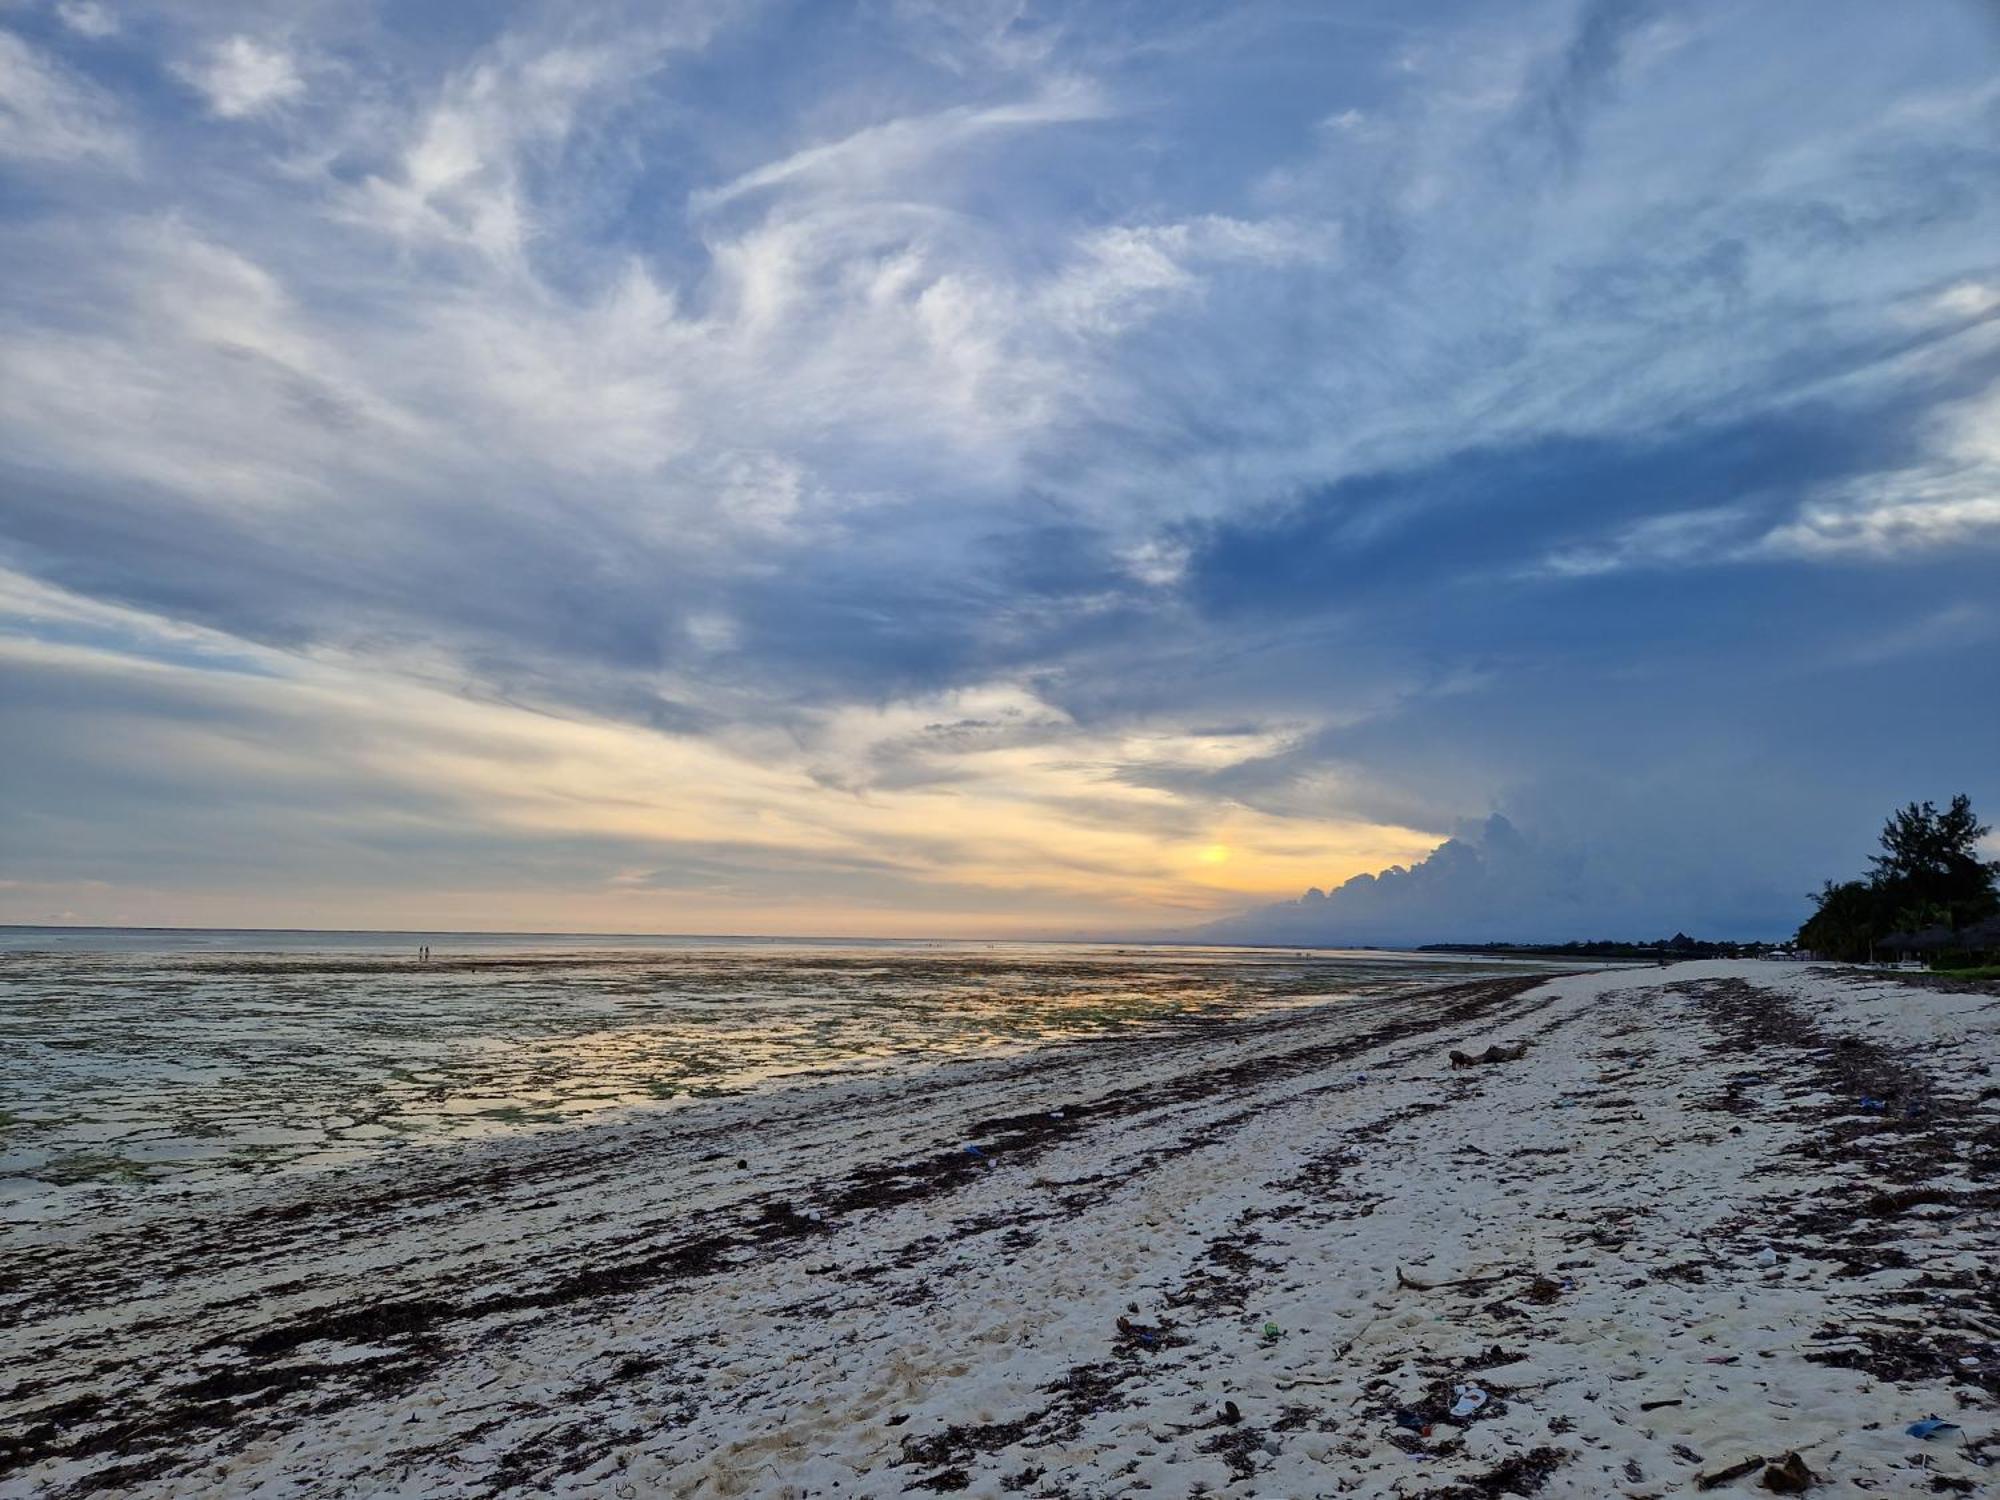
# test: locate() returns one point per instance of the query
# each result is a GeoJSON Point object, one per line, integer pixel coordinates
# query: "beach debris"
{"type": "Point", "coordinates": [1272, 1330]}
{"type": "Point", "coordinates": [1789, 1476]}
{"type": "Point", "coordinates": [1469, 1399]}
{"type": "Point", "coordinates": [1413, 1422]}
{"type": "Point", "coordinates": [1767, 1256]}
{"type": "Point", "coordinates": [742, 1164]}
{"type": "Point", "coordinates": [1494, 1054]}
{"type": "Point", "coordinates": [1543, 1290]}
{"type": "Point", "coordinates": [1231, 1413]}
{"type": "Point", "coordinates": [1410, 1283]}
{"type": "Point", "coordinates": [1930, 1427]}
{"type": "Point", "coordinates": [1055, 1114]}
{"type": "Point", "coordinates": [1656, 1405]}
{"type": "Point", "coordinates": [1139, 1334]}
{"type": "Point", "coordinates": [1724, 1476]}
{"type": "Point", "coordinates": [971, 1150]}
{"type": "Point", "coordinates": [1870, 1105]}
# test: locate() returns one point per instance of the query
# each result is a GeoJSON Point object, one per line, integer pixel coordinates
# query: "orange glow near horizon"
{"type": "Point", "coordinates": [999, 814]}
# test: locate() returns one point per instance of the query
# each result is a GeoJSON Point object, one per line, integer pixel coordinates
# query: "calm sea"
{"type": "Point", "coordinates": [138, 1060]}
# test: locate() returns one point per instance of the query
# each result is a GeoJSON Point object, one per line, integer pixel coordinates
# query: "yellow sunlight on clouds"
{"type": "Point", "coordinates": [983, 812]}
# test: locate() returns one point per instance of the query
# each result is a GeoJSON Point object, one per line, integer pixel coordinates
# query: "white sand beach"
{"type": "Point", "coordinates": [1676, 1236]}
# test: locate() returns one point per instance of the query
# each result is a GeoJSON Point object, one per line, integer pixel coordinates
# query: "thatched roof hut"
{"type": "Point", "coordinates": [1925, 940]}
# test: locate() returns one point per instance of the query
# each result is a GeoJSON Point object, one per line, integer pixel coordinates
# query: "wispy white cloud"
{"type": "Point", "coordinates": [1118, 273]}
{"type": "Point", "coordinates": [1899, 528]}
{"type": "Point", "coordinates": [458, 178]}
{"type": "Point", "coordinates": [48, 114]}
{"type": "Point", "coordinates": [88, 18]}
{"type": "Point", "coordinates": [460, 158]}
{"type": "Point", "coordinates": [240, 76]}
{"type": "Point", "coordinates": [1681, 538]}
{"type": "Point", "coordinates": [877, 156]}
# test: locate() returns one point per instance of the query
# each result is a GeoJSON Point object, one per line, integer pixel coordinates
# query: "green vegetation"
{"type": "Point", "coordinates": [1929, 892]}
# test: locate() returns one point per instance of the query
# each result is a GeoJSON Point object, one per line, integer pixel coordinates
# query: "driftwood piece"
{"type": "Point", "coordinates": [1410, 1283]}
{"type": "Point", "coordinates": [1494, 1054]}
{"type": "Point", "coordinates": [1723, 1476]}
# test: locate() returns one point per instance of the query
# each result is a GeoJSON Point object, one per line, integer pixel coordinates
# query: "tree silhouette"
{"type": "Point", "coordinates": [1930, 863]}
{"type": "Point", "coordinates": [1929, 873]}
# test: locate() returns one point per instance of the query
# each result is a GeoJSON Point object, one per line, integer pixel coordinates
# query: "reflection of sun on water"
{"type": "Point", "coordinates": [296, 1063]}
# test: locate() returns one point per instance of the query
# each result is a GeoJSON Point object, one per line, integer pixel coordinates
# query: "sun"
{"type": "Point", "coordinates": [1215, 854]}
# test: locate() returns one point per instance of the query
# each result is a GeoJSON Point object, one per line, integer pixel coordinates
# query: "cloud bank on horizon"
{"type": "Point", "coordinates": [978, 467]}
{"type": "Point", "coordinates": [1492, 883]}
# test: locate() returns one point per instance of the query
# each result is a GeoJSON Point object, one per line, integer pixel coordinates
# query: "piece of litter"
{"type": "Point", "coordinates": [1789, 1476]}
{"type": "Point", "coordinates": [1930, 1427]}
{"type": "Point", "coordinates": [1723, 1476]}
{"type": "Point", "coordinates": [1272, 1330]}
{"type": "Point", "coordinates": [1470, 1399]}
{"type": "Point", "coordinates": [971, 1150]}
{"type": "Point", "coordinates": [1767, 1256]}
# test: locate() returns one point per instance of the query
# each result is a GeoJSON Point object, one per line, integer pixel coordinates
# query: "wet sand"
{"type": "Point", "coordinates": [1253, 1256]}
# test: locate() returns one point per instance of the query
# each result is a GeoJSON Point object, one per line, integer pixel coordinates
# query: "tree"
{"type": "Point", "coordinates": [1847, 922]}
{"type": "Point", "coordinates": [1930, 863]}
{"type": "Point", "coordinates": [1929, 873]}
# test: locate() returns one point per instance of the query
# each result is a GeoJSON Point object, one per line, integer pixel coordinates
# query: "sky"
{"type": "Point", "coordinates": [991, 468]}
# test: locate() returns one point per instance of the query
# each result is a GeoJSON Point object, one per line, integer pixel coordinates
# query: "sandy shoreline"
{"type": "Point", "coordinates": [864, 1308]}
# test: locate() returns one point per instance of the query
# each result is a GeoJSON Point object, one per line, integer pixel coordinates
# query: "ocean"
{"type": "Point", "coordinates": [136, 1062]}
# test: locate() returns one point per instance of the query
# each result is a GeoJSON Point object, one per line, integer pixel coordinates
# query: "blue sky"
{"type": "Point", "coordinates": [990, 467]}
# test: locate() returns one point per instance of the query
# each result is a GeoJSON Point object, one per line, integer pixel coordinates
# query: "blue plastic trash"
{"type": "Point", "coordinates": [1930, 1427]}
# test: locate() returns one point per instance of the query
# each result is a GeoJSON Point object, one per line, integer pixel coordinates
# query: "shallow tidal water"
{"type": "Point", "coordinates": [132, 1063]}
